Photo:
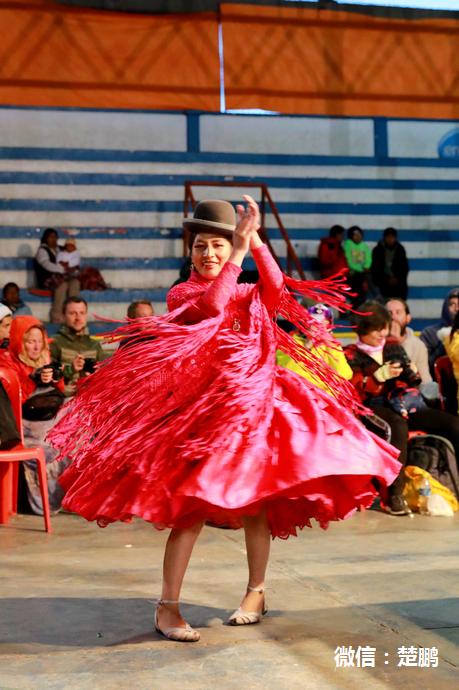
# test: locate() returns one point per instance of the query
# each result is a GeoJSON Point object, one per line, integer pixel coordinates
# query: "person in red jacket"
{"type": "Point", "coordinates": [29, 357]}
{"type": "Point", "coordinates": [331, 253]}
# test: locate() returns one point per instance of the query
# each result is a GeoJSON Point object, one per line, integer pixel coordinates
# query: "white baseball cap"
{"type": "Point", "coordinates": [5, 311]}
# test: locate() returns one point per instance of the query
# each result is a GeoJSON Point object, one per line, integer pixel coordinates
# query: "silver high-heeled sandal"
{"type": "Point", "coordinates": [176, 634]}
{"type": "Point", "coordinates": [241, 617]}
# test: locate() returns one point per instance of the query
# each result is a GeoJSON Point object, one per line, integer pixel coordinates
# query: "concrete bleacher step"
{"type": "Point", "coordinates": [119, 272]}
{"type": "Point", "coordinates": [115, 182]}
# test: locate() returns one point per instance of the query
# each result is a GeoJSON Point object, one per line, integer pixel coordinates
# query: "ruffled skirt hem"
{"type": "Point", "coordinates": [324, 500]}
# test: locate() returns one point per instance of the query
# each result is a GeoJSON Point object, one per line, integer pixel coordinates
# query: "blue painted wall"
{"type": "Point", "coordinates": [114, 179]}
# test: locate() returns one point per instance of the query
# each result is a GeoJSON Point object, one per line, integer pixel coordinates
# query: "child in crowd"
{"type": "Point", "coordinates": [334, 357]}
{"type": "Point", "coordinates": [69, 257]}
{"type": "Point", "coordinates": [11, 298]}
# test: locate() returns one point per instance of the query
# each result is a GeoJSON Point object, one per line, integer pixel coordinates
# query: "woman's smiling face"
{"type": "Point", "coordinates": [210, 253]}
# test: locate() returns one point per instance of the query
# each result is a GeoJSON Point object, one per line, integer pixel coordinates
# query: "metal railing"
{"type": "Point", "coordinates": [266, 205]}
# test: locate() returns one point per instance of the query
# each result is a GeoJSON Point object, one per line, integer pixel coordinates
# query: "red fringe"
{"type": "Point", "coordinates": [159, 405]}
{"type": "Point", "coordinates": [333, 292]}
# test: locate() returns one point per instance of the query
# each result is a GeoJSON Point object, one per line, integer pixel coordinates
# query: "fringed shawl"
{"type": "Point", "coordinates": [193, 390]}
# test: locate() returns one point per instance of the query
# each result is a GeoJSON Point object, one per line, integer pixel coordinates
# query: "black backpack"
{"type": "Point", "coordinates": [436, 455]}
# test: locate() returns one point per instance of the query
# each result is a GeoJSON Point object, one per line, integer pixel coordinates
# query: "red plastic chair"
{"type": "Point", "coordinates": [444, 376]}
{"type": "Point", "coordinates": [10, 459]}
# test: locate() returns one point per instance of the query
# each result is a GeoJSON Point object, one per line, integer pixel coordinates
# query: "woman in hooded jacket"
{"type": "Point", "coordinates": [42, 388]}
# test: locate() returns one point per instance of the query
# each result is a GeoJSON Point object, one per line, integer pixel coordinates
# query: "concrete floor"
{"type": "Point", "coordinates": [76, 607]}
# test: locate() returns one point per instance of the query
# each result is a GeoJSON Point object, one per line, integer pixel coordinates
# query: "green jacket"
{"type": "Point", "coordinates": [64, 348]}
{"type": "Point", "coordinates": [358, 256]}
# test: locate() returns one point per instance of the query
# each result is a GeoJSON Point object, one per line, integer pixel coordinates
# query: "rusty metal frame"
{"type": "Point", "coordinates": [189, 203]}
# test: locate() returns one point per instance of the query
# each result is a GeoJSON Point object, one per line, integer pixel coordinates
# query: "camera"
{"type": "Point", "coordinates": [89, 365]}
{"type": "Point", "coordinates": [397, 355]}
{"type": "Point", "coordinates": [56, 369]}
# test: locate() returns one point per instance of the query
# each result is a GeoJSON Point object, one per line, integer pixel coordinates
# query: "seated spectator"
{"type": "Point", "coordinates": [331, 253]}
{"type": "Point", "coordinates": [334, 357]}
{"type": "Point", "coordinates": [140, 309]}
{"type": "Point", "coordinates": [73, 347]}
{"type": "Point", "coordinates": [449, 336]}
{"type": "Point", "coordinates": [69, 257]}
{"type": "Point", "coordinates": [389, 387]}
{"type": "Point", "coordinates": [429, 335]}
{"type": "Point", "coordinates": [414, 347]}
{"type": "Point", "coordinates": [52, 276]}
{"type": "Point", "coordinates": [12, 299]}
{"type": "Point", "coordinates": [6, 318]}
{"type": "Point", "coordinates": [389, 266]}
{"type": "Point", "coordinates": [41, 386]}
{"type": "Point", "coordinates": [358, 258]}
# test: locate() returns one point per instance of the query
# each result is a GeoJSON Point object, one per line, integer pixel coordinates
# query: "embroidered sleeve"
{"type": "Point", "coordinates": [205, 301]}
{"type": "Point", "coordinates": [271, 277]}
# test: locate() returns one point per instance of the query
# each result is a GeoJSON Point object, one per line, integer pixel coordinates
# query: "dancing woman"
{"type": "Point", "coordinates": [200, 424]}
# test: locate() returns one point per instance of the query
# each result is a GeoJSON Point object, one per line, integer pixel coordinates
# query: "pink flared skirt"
{"type": "Point", "coordinates": [314, 460]}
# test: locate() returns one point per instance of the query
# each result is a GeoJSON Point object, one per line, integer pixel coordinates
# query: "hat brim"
{"type": "Point", "coordinates": [199, 225]}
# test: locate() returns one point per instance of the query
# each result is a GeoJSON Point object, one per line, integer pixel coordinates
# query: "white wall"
{"type": "Point", "coordinates": [93, 130]}
{"type": "Point", "coordinates": [287, 135]}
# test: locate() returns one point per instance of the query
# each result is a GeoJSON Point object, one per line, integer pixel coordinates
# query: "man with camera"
{"type": "Point", "coordinates": [413, 346]}
{"type": "Point", "coordinates": [73, 348]}
{"type": "Point", "coordinates": [400, 331]}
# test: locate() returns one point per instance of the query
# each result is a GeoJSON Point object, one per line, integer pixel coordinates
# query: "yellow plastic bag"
{"type": "Point", "coordinates": [410, 492]}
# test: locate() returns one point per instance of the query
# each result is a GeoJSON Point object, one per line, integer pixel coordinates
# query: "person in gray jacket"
{"type": "Point", "coordinates": [429, 335]}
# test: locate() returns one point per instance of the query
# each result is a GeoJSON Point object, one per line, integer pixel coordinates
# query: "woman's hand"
{"type": "Point", "coordinates": [389, 370]}
{"type": "Point", "coordinates": [248, 225]}
{"type": "Point", "coordinates": [246, 232]}
{"type": "Point", "coordinates": [46, 375]}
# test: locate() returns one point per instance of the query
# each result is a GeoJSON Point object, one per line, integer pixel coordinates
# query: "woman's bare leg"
{"type": "Point", "coordinates": [176, 558]}
{"type": "Point", "coordinates": [258, 543]}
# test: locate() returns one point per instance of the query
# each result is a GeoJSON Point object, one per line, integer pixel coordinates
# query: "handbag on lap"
{"type": "Point", "coordinates": [43, 405]}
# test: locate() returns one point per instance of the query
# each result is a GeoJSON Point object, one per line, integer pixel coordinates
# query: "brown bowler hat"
{"type": "Point", "coordinates": [212, 216]}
